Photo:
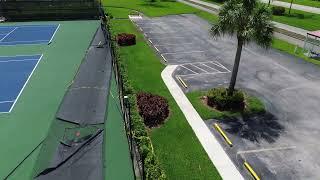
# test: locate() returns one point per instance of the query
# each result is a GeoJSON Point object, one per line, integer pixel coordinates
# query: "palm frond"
{"type": "Point", "coordinates": [247, 25]}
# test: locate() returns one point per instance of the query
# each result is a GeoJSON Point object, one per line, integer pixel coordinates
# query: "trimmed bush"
{"type": "Point", "coordinates": [219, 99]}
{"type": "Point", "coordinates": [278, 10]}
{"type": "Point", "coordinates": [153, 109]}
{"type": "Point", "coordinates": [152, 167]}
{"type": "Point", "coordinates": [125, 39]}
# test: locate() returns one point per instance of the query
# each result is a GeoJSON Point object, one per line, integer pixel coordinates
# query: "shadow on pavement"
{"type": "Point", "coordinates": [254, 127]}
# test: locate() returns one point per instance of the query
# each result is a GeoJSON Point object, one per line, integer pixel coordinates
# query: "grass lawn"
{"type": "Point", "coordinates": [121, 9]}
{"type": "Point", "coordinates": [289, 48]}
{"type": "Point", "coordinates": [253, 106]}
{"type": "Point", "coordinates": [178, 149]}
{"type": "Point", "coordinates": [312, 3]}
{"type": "Point", "coordinates": [175, 144]}
{"type": "Point", "coordinates": [300, 19]}
{"type": "Point", "coordinates": [159, 8]}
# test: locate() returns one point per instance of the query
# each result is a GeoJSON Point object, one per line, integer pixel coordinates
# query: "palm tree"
{"type": "Point", "coordinates": [249, 20]}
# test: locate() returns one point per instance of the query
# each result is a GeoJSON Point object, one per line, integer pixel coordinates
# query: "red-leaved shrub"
{"type": "Point", "coordinates": [125, 39]}
{"type": "Point", "coordinates": [153, 109]}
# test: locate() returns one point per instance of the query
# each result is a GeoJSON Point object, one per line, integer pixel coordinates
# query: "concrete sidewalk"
{"type": "Point", "coordinates": [217, 155]}
{"type": "Point", "coordinates": [294, 6]}
{"type": "Point", "coordinates": [285, 29]}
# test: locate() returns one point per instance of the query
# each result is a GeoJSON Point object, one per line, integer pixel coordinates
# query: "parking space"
{"type": "Point", "coordinates": [283, 144]}
{"type": "Point", "coordinates": [201, 68]}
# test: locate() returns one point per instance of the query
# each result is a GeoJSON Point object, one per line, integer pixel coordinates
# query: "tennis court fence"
{"type": "Point", "coordinates": [20, 10]}
{"type": "Point", "coordinates": [136, 157]}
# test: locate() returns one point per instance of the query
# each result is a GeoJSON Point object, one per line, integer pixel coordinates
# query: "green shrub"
{"type": "Point", "coordinates": [219, 99]}
{"type": "Point", "coordinates": [278, 10]}
{"type": "Point", "coordinates": [254, 106]}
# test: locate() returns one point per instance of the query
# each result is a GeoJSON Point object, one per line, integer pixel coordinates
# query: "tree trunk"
{"type": "Point", "coordinates": [235, 67]}
{"type": "Point", "coordinates": [290, 6]}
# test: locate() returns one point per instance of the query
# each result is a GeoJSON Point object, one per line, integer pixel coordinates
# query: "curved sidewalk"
{"type": "Point", "coordinates": [217, 155]}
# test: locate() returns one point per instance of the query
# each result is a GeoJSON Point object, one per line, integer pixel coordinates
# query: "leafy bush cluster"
{"type": "Point", "coordinates": [125, 39]}
{"type": "Point", "coordinates": [153, 108]}
{"type": "Point", "coordinates": [219, 99]}
{"type": "Point", "coordinates": [278, 10]}
{"type": "Point", "coordinates": [152, 167]}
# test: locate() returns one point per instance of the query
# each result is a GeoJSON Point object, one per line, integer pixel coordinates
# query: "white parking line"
{"type": "Point", "coordinates": [266, 149]}
{"type": "Point", "coordinates": [169, 38]}
{"type": "Point", "coordinates": [199, 67]}
{"type": "Point", "coordinates": [220, 65]}
{"type": "Point", "coordinates": [211, 67]}
{"type": "Point", "coordinates": [162, 32]}
{"type": "Point", "coordinates": [145, 27]}
{"type": "Point", "coordinates": [190, 70]}
{"type": "Point", "coordinates": [183, 52]}
{"type": "Point", "coordinates": [149, 23]}
{"type": "Point", "coordinates": [216, 64]}
{"type": "Point", "coordinates": [172, 44]}
{"type": "Point", "coordinates": [203, 74]}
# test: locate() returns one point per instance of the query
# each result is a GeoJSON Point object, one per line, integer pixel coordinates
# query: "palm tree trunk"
{"type": "Point", "coordinates": [235, 67]}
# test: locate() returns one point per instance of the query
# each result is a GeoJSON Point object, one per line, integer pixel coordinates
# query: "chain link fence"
{"type": "Point", "coordinates": [137, 159]}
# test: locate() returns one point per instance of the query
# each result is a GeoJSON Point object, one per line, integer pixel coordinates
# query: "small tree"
{"type": "Point", "coordinates": [249, 20]}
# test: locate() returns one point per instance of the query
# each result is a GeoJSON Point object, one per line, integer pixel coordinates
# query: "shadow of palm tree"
{"type": "Point", "coordinates": [255, 127]}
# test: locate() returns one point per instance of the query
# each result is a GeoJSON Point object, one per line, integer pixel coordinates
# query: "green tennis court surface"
{"type": "Point", "coordinates": [27, 125]}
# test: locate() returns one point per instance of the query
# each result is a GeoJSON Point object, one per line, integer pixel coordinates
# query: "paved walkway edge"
{"type": "Point", "coordinates": [285, 29]}
{"type": "Point", "coordinates": [217, 155]}
{"type": "Point", "coordinates": [294, 6]}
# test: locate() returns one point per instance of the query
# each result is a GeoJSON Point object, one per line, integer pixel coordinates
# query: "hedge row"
{"type": "Point", "coordinates": [152, 168]}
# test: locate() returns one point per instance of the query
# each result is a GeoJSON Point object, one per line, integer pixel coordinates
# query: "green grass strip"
{"type": "Point", "coordinates": [175, 144]}
{"type": "Point", "coordinates": [312, 3]}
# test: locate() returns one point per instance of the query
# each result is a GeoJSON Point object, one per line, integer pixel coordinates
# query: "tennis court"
{"type": "Point", "coordinates": [15, 72]}
{"type": "Point", "coordinates": [27, 34]}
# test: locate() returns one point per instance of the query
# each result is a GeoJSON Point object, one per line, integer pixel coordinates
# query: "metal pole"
{"type": "Point", "coordinates": [290, 6]}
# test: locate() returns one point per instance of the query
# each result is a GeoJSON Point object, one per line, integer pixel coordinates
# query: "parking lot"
{"type": "Point", "coordinates": [281, 145]}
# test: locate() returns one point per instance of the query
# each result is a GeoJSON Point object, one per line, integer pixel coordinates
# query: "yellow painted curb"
{"type": "Point", "coordinates": [182, 82]}
{"type": "Point", "coordinates": [223, 134]}
{"type": "Point", "coordinates": [250, 169]}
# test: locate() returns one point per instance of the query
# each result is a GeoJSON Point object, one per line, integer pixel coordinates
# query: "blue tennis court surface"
{"type": "Point", "coordinates": [15, 72]}
{"type": "Point", "coordinates": [27, 34]}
